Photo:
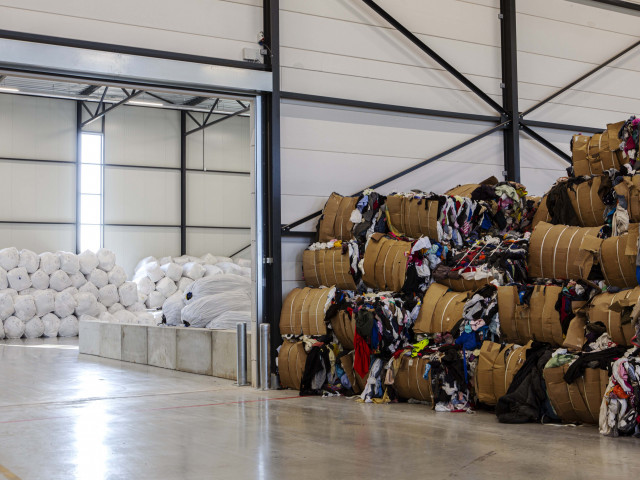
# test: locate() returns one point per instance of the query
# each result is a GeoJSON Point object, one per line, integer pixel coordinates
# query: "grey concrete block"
{"type": "Point", "coordinates": [111, 340]}
{"type": "Point", "coordinates": [161, 347]}
{"type": "Point", "coordinates": [89, 337]}
{"type": "Point", "coordinates": [224, 354]}
{"type": "Point", "coordinates": [134, 343]}
{"type": "Point", "coordinates": [193, 352]}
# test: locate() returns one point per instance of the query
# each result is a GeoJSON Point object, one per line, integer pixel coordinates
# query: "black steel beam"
{"type": "Point", "coordinates": [26, 222]}
{"type": "Point", "coordinates": [89, 90]}
{"type": "Point", "coordinates": [148, 167]}
{"type": "Point", "coordinates": [35, 160]}
{"type": "Point", "coordinates": [183, 183]}
{"type": "Point", "coordinates": [543, 141]}
{"type": "Point", "coordinates": [509, 51]}
{"type": "Point", "coordinates": [408, 170]}
{"type": "Point", "coordinates": [240, 251]}
{"type": "Point", "coordinates": [166, 100]}
{"type": "Point", "coordinates": [577, 81]}
{"type": "Point", "coordinates": [437, 58]}
{"type": "Point", "coordinates": [227, 117]}
{"type": "Point", "coordinates": [561, 126]}
{"type": "Point", "coordinates": [194, 119]}
{"type": "Point", "coordinates": [112, 107]}
{"type": "Point", "coordinates": [2, 77]}
{"type": "Point", "coordinates": [388, 108]}
{"type": "Point", "coordinates": [223, 172]}
{"type": "Point", "coordinates": [195, 101]}
{"type": "Point", "coordinates": [218, 227]}
{"type": "Point", "coordinates": [620, 4]}
{"type": "Point", "coordinates": [213, 107]}
{"type": "Point", "coordinates": [79, 105]}
{"type": "Point", "coordinates": [288, 233]}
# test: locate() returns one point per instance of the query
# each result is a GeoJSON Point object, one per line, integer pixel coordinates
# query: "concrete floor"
{"type": "Point", "coordinates": [65, 416]}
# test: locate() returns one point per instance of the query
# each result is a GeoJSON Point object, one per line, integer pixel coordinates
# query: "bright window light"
{"type": "Point", "coordinates": [90, 191]}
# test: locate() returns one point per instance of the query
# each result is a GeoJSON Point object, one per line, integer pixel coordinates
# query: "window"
{"type": "Point", "coordinates": [90, 191]}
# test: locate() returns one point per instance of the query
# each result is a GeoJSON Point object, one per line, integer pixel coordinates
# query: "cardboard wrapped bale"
{"type": "Point", "coordinates": [413, 216]}
{"type": "Point", "coordinates": [467, 190]}
{"type": "Point", "coordinates": [586, 202]}
{"type": "Point", "coordinates": [542, 213]}
{"type": "Point", "coordinates": [357, 382]}
{"type": "Point", "coordinates": [579, 401]}
{"type": "Point", "coordinates": [629, 187]}
{"type": "Point", "coordinates": [328, 267]}
{"type": "Point", "coordinates": [497, 365]}
{"type": "Point", "coordinates": [409, 381]}
{"type": "Point", "coordinates": [575, 338]}
{"type": "Point", "coordinates": [557, 251]}
{"type": "Point", "coordinates": [291, 361]}
{"type": "Point", "coordinates": [608, 308]}
{"type": "Point", "coordinates": [335, 222]}
{"type": "Point", "coordinates": [462, 285]}
{"type": "Point", "coordinates": [596, 154]}
{"type": "Point", "coordinates": [617, 258]}
{"type": "Point", "coordinates": [303, 311]}
{"type": "Point", "coordinates": [344, 328]}
{"type": "Point", "coordinates": [441, 310]}
{"type": "Point", "coordinates": [385, 263]}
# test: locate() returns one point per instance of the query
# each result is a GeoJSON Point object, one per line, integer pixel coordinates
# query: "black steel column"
{"type": "Point", "coordinates": [510, 88]}
{"type": "Point", "coordinates": [273, 260]}
{"type": "Point", "coordinates": [183, 182]}
{"type": "Point", "coordinates": [78, 170]}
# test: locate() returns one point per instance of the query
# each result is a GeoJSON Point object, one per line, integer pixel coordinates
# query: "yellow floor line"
{"type": "Point", "coordinates": [8, 474]}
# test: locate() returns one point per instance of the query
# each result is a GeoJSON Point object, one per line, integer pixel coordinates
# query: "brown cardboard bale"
{"type": "Point", "coordinates": [335, 221]}
{"type": "Point", "coordinates": [467, 190]}
{"type": "Point", "coordinates": [617, 258]}
{"type": "Point", "coordinates": [441, 309]}
{"type": "Point", "coordinates": [413, 217]}
{"type": "Point", "coordinates": [328, 267]}
{"type": "Point", "coordinates": [344, 328]}
{"type": "Point", "coordinates": [357, 382]}
{"type": "Point", "coordinates": [557, 251]}
{"type": "Point", "coordinates": [489, 352]}
{"type": "Point", "coordinates": [597, 154]}
{"type": "Point", "coordinates": [291, 361]}
{"type": "Point", "coordinates": [462, 285]}
{"type": "Point", "coordinates": [630, 189]}
{"type": "Point", "coordinates": [514, 317]}
{"type": "Point", "coordinates": [542, 213]}
{"type": "Point", "coordinates": [303, 311]}
{"type": "Point", "coordinates": [587, 203]}
{"type": "Point", "coordinates": [607, 308]}
{"type": "Point", "coordinates": [506, 366]}
{"type": "Point", "coordinates": [385, 263]}
{"type": "Point", "coordinates": [575, 338]}
{"type": "Point", "coordinates": [409, 381]}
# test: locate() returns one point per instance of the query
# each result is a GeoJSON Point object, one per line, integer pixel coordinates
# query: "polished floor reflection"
{"type": "Point", "coordinates": [65, 416]}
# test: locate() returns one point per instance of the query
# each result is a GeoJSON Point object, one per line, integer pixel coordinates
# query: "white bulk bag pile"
{"type": "Point", "coordinates": [229, 320]}
{"type": "Point", "coordinates": [99, 278]}
{"type": "Point", "coordinates": [68, 326]}
{"type": "Point", "coordinates": [59, 281]}
{"type": "Point", "coordinates": [49, 262]}
{"type": "Point", "coordinates": [128, 293]}
{"type": "Point", "coordinates": [200, 312]}
{"type": "Point", "coordinates": [117, 276]}
{"type": "Point", "coordinates": [69, 263]}
{"type": "Point", "coordinates": [9, 258]}
{"type": "Point", "coordinates": [6, 305]}
{"type": "Point", "coordinates": [25, 307]}
{"type": "Point", "coordinates": [172, 271]}
{"type": "Point", "coordinates": [29, 260]}
{"type": "Point", "coordinates": [51, 325]}
{"type": "Point", "coordinates": [19, 279]}
{"type": "Point", "coordinates": [39, 280]}
{"type": "Point", "coordinates": [65, 304]}
{"type": "Point", "coordinates": [13, 327]}
{"type": "Point", "coordinates": [106, 259]}
{"type": "Point", "coordinates": [88, 262]}
{"type": "Point", "coordinates": [172, 309]}
{"type": "Point", "coordinates": [34, 328]}
{"type": "Point", "coordinates": [108, 295]}
{"type": "Point", "coordinates": [217, 284]}
{"type": "Point", "coordinates": [166, 287]}
{"type": "Point", "coordinates": [45, 301]}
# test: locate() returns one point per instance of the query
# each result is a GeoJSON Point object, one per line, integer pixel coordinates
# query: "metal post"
{"type": "Point", "coordinates": [265, 355]}
{"type": "Point", "coordinates": [241, 371]}
{"type": "Point", "coordinates": [183, 183]}
{"type": "Point", "coordinates": [511, 135]}
{"type": "Point", "coordinates": [78, 170]}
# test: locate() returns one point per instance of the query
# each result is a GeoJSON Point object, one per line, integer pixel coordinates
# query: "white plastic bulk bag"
{"type": "Point", "coordinates": [217, 284]}
{"type": "Point", "coordinates": [88, 261]}
{"type": "Point", "coordinates": [193, 270]}
{"type": "Point", "coordinates": [211, 270]}
{"type": "Point", "coordinates": [209, 259]}
{"type": "Point", "coordinates": [9, 258]}
{"type": "Point", "coordinates": [68, 327]}
{"type": "Point", "coordinates": [6, 306]}
{"type": "Point", "coordinates": [184, 284]}
{"type": "Point", "coordinates": [19, 279]}
{"type": "Point", "coordinates": [225, 260]}
{"type": "Point", "coordinates": [1, 330]}
{"type": "Point", "coordinates": [101, 309]}
{"type": "Point", "coordinates": [145, 285]}
{"type": "Point", "coordinates": [39, 280]}
{"type": "Point", "coordinates": [65, 304]}
{"type": "Point", "coordinates": [166, 287]}
{"type": "Point", "coordinates": [144, 262]}
{"type": "Point", "coordinates": [107, 317]}
{"type": "Point", "coordinates": [99, 278]}
{"type": "Point", "coordinates": [243, 262]}
{"type": "Point", "coordinates": [124, 316]}
{"type": "Point", "coordinates": [87, 318]}
{"type": "Point", "coordinates": [128, 293]}
{"type": "Point", "coordinates": [13, 327]}
{"type": "Point", "coordinates": [229, 267]}
{"type": "Point", "coordinates": [146, 318]}
{"type": "Point", "coordinates": [229, 320]}
{"type": "Point", "coordinates": [106, 259]}
{"type": "Point", "coordinates": [136, 307]}
{"type": "Point", "coordinates": [116, 307]}
{"type": "Point", "coordinates": [142, 298]}
{"type": "Point", "coordinates": [29, 260]}
{"type": "Point", "coordinates": [182, 260]}
{"type": "Point", "coordinates": [77, 279]}
{"type": "Point", "coordinates": [51, 325]}
{"type": "Point", "coordinates": [86, 304]}
{"type": "Point", "coordinates": [27, 291]}
{"type": "Point", "coordinates": [49, 262]}
{"type": "Point", "coordinates": [72, 290]}
{"type": "Point", "coordinates": [34, 328]}
{"type": "Point", "coordinates": [117, 276]}
{"type": "Point", "coordinates": [4, 281]}
{"type": "Point", "coordinates": [45, 301]}
{"type": "Point", "coordinates": [25, 307]}
{"type": "Point", "coordinates": [245, 272]}
{"type": "Point", "coordinates": [154, 272]}
{"type": "Point", "coordinates": [155, 300]}
{"type": "Point", "coordinates": [59, 280]}
{"type": "Point", "coordinates": [172, 307]}
{"type": "Point", "coordinates": [172, 271]}
{"type": "Point", "coordinates": [89, 288]}
{"type": "Point", "coordinates": [11, 291]}
{"type": "Point", "coordinates": [108, 295]}
{"type": "Point", "coordinates": [200, 312]}
{"type": "Point", "coordinates": [69, 262]}
{"type": "Point", "coordinates": [165, 260]}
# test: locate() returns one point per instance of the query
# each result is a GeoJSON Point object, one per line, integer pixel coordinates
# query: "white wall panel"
{"type": "Point", "coordinates": [131, 244]}
{"type": "Point", "coordinates": [292, 248]}
{"type": "Point", "coordinates": [216, 241]}
{"type": "Point", "coordinates": [143, 136]}
{"type": "Point", "coordinates": [224, 146]}
{"type": "Point", "coordinates": [141, 196]}
{"type": "Point", "coordinates": [213, 28]}
{"type": "Point", "coordinates": [37, 191]}
{"type": "Point", "coordinates": [39, 238]}
{"type": "Point", "coordinates": [37, 128]}
{"type": "Point", "coordinates": [218, 200]}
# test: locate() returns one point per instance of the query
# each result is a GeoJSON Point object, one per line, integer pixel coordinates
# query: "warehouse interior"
{"type": "Point", "coordinates": [298, 233]}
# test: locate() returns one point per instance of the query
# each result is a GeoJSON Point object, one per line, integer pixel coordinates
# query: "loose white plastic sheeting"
{"type": "Point", "coordinates": [200, 312]}
{"type": "Point", "coordinates": [229, 320]}
{"type": "Point", "coordinates": [29, 260]}
{"type": "Point", "coordinates": [217, 284]}
{"type": "Point", "coordinates": [172, 308]}
{"type": "Point", "coordinates": [34, 328]}
{"type": "Point", "coordinates": [19, 279]}
{"type": "Point", "coordinates": [9, 258]}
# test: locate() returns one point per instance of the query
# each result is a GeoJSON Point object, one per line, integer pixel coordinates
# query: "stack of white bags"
{"type": "Point", "coordinates": [44, 295]}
